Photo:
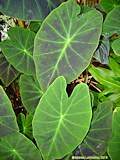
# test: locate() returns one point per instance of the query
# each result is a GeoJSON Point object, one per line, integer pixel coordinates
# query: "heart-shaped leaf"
{"type": "Point", "coordinates": [8, 123]}
{"type": "Point", "coordinates": [7, 72]}
{"type": "Point", "coordinates": [112, 22]}
{"type": "Point", "coordinates": [95, 143]}
{"type": "Point", "coordinates": [18, 49]}
{"type": "Point", "coordinates": [18, 147]}
{"type": "Point", "coordinates": [65, 43]}
{"type": "Point", "coordinates": [114, 144]}
{"type": "Point", "coordinates": [61, 123]}
{"type": "Point", "coordinates": [30, 92]}
{"type": "Point", "coordinates": [28, 9]}
{"type": "Point", "coordinates": [116, 46]}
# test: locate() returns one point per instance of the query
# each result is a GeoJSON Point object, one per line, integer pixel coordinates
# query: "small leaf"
{"type": "Point", "coordinates": [25, 124]}
{"type": "Point", "coordinates": [112, 22]}
{"type": "Point", "coordinates": [18, 147]}
{"type": "Point", "coordinates": [65, 43]}
{"type": "Point", "coordinates": [61, 123]}
{"type": "Point", "coordinates": [30, 92]}
{"type": "Point", "coordinates": [114, 144]}
{"type": "Point", "coordinates": [96, 141]}
{"type": "Point", "coordinates": [8, 124]}
{"type": "Point", "coordinates": [116, 47]}
{"type": "Point", "coordinates": [18, 49]}
{"type": "Point", "coordinates": [102, 53]}
{"type": "Point", "coordinates": [7, 72]}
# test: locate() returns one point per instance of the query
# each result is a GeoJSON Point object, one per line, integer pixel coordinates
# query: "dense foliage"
{"type": "Point", "coordinates": [60, 79]}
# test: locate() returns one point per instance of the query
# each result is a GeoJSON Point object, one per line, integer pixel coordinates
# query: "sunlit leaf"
{"type": "Point", "coordinates": [18, 147]}
{"type": "Point", "coordinates": [8, 124]}
{"type": "Point", "coordinates": [96, 141]}
{"type": "Point", "coordinates": [28, 9]}
{"type": "Point", "coordinates": [30, 92]}
{"type": "Point", "coordinates": [65, 43]}
{"type": "Point", "coordinates": [7, 72]}
{"type": "Point", "coordinates": [18, 49]}
{"type": "Point", "coordinates": [61, 123]}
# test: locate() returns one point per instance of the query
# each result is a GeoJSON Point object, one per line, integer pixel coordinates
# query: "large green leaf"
{"type": "Point", "coordinates": [18, 49]}
{"type": "Point", "coordinates": [96, 141]}
{"type": "Point", "coordinates": [7, 72]}
{"type": "Point", "coordinates": [28, 9]}
{"type": "Point", "coordinates": [18, 147]}
{"type": "Point", "coordinates": [60, 123]}
{"type": "Point", "coordinates": [112, 22]}
{"type": "Point", "coordinates": [116, 47]}
{"type": "Point", "coordinates": [114, 144]}
{"type": "Point", "coordinates": [65, 43]}
{"type": "Point", "coordinates": [108, 5]}
{"type": "Point", "coordinates": [30, 92]}
{"type": "Point", "coordinates": [8, 124]}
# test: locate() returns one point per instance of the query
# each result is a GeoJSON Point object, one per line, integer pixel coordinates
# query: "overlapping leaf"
{"type": "Point", "coordinates": [61, 120]}
{"type": "Point", "coordinates": [112, 22]}
{"type": "Point", "coordinates": [108, 5]}
{"type": "Point", "coordinates": [18, 49]}
{"type": "Point", "coordinates": [30, 92]}
{"type": "Point", "coordinates": [8, 124]}
{"type": "Point", "coordinates": [7, 72]}
{"type": "Point", "coordinates": [18, 147]}
{"type": "Point", "coordinates": [65, 43]}
{"type": "Point", "coordinates": [28, 9]}
{"type": "Point", "coordinates": [116, 47]}
{"type": "Point", "coordinates": [25, 124]}
{"type": "Point", "coordinates": [96, 141]}
{"type": "Point", "coordinates": [114, 144]}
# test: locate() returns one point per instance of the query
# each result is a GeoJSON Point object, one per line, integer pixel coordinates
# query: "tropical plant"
{"type": "Point", "coordinates": [60, 79]}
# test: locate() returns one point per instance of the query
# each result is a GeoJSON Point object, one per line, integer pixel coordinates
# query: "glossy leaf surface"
{"type": "Point", "coordinates": [8, 124]}
{"type": "Point", "coordinates": [18, 147]}
{"type": "Point", "coordinates": [61, 120]}
{"type": "Point", "coordinates": [18, 49]}
{"type": "Point", "coordinates": [30, 92]}
{"type": "Point", "coordinates": [96, 141]}
{"type": "Point", "coordinates": [28, 9]}
{"type": "Point", "coordinates": [65, 43]}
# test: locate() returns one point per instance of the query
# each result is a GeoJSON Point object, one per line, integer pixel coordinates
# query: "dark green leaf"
{"type": "Point", "coordinates": [28, 9]}
{"type": "Point", "coordinates": [95, 143]}
{"type": "Point", "coordinates": [8, 124]}
{"type": "Point", "coordinates": [65, 43]}
{"type": "Point", "coordinates": [30, 92]}
{"type": "Point", "coordinates": [7, 72]}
